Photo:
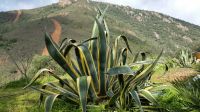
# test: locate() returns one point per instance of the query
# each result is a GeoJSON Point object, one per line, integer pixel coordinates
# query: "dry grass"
{"type": "Point", "coordinates": [177, 73]}
{"type": "Point", "coordinates": [3, 60]}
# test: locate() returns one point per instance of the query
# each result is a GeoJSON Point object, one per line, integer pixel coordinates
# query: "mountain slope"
{"type": "Point", "coordinates": [147, 31]}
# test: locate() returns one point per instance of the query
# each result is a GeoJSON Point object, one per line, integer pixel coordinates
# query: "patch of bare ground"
{"type": "Point", "coordinates": [178, 73]}
{"type": "Point", "coordinates": [55, 35]}
{"type": "Point", "coordinates": [182, 27]}
{"type": "Point", "coordinates": [18, 14]}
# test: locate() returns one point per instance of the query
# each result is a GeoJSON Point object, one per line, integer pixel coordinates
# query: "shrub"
{"type": "Point", "coordinates": [169, 100]}
{"type": "Point", "coordinates": [39, 62]}
{"type": "Point", "coordinates": [181, 96]}
{"type": "Point", "coordinates": [196, 67]}
{"type": "Point", "coordinates": [189, 91]}
{"type": "Point", "coordinates": [184, 59]}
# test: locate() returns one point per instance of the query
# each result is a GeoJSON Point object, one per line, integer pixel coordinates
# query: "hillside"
{"type": "Point", "coordinates": [146, 30]}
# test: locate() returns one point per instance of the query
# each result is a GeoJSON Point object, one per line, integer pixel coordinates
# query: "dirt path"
{"type": "Point", "coordinates": [55, 35]}
{"type": "Point", "coordinates": [18, 14]}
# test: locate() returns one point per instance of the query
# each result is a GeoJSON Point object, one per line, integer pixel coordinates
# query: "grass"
{"type": "Point", "coordinates": [27, 34]}
{"type": "Point", "coordinates": [170, 101]}
{"type": "Point", "coordinates": [13, 98]}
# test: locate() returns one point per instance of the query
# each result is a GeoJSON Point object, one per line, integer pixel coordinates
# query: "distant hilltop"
{"type": "Point", "coordinates": [63, 3]}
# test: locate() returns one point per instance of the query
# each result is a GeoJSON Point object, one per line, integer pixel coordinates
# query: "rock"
{"type": "Point", "coordinates": [63, 3]}
{"type": "Point", "coordinates": [183, 28]}
{"type": "Point", "coordinates": [188, 39]}
{"type": "Point", "coordinates": [157, 35]}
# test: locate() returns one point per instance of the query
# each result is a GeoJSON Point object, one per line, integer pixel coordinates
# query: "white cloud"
{"type": "Point", "coordinates": [188, 10]}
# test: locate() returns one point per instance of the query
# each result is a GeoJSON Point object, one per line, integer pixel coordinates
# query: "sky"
{"type": "Point", "coordinates": [188, 10]}
{"type": "Point", "coordinates": [6, 5]}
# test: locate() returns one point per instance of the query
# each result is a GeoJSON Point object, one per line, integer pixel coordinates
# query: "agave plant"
{"type": "Point", "coordinates": [185, 59]}
{"type": "Point", "coordinates": [95, 71]}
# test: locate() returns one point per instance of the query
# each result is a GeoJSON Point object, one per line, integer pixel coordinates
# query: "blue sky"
{"type": "Point", "coordinates": [188, 10]}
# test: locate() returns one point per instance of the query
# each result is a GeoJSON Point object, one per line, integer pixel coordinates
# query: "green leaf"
{"type": "Point", "coordinates": [43, 91]}
{"type": "Point", "coordinates": [107, 32]}
{"type": "Point", "coordinates": [100, 17]}
{"type": "Point", "coordinates": [66, 42]}
{"type": "Point", "coordinates": [49, 102]}
{"type": "Point", "coordinates": [146, 71]}
{"type": "Point", "coordinates": [102, 57]}
{"type": "Point", "coordinates": [51, 74]}
{"type": "Point", "coordinates": [88, 40]}
{"type": "Point", "coordinates": [62, 90]}
{"type": "Point", "coordinates": [80, 61]}
{"type": "Point", "coordinates": [120, 70]}
{"type": "Point", "coordinates": [115, 49]}
{"type": "Point", "coordinates": [135, 58]}
{"type": "Point", "coordinates": [90, 66]}
{"type": "Point", "coordinates": [37, 75]}
{"type": "Point", "coordinates": [83, 84]}
{"type": "Point", "coordinates": [124, 55]}
{"type": "Point", "coordinates": [86, 65]}
{"type": "Point", "coordinates": [136, 97]}
{"type": "Point", "coordinates": [113, 99]}
{"type": "Point", "coordinates": [121, 80]}
{"type": "Point", "coordinates": [125, 39]}
{"type": "Point", "coordinates": [58, 57]}
{"type": "Point", "coordinates": [148, 96]}
{"type": "Point", "coordinates": [94, 52]}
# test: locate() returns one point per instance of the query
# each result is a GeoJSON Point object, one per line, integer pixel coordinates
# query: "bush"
{"type": "Point", "coordinates": [189, 91]}
{"type": "Point", "coordinates": [39, 62]}
{"type": "Point", "coordinates": [169, 100]}
{"type": "Point", "coordinates": [182, 96]}
{"type": "Point", "coordinates": [197, 67]}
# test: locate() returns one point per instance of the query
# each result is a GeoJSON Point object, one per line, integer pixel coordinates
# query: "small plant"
{"type": "Point", "coordinates": [169, 99]}
{"type": "Point", "coordinates": [181, 96]}
{"type": "Point", "coordinates": [39, 62]}
{"type": "Point", "coordinates": [189, 92]}
{"type": "Point", "coordinates": [22, 63]}
{"type": "Point", "coordinates": [95, 72]}
{"type": "Point", "coordinates": [196, 67]}
{"type": "Point", "coordinates": [184, 59]}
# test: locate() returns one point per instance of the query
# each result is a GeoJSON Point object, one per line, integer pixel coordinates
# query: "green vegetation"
{"type": "Point", "coordinates": [5, 43]}
{"type": "Point", "coordinates": [38, 62]}
{"type": "Point", "coordinates": [169, 99]}
{"type": "Point", "coordinates": [96, 74]}
{"type": "Point", "coordinates": [181, 96]}
{"type": "Point", "coordinates": [145, 30]}
{"type": "Point", "coordinates": [196, 67]}
{"type": "Point", "coordinates": [185, 59]}
{"type": "Point", "coordinates": [99, 73]}
{"type": "Point", "coordinates": [189, 91]}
